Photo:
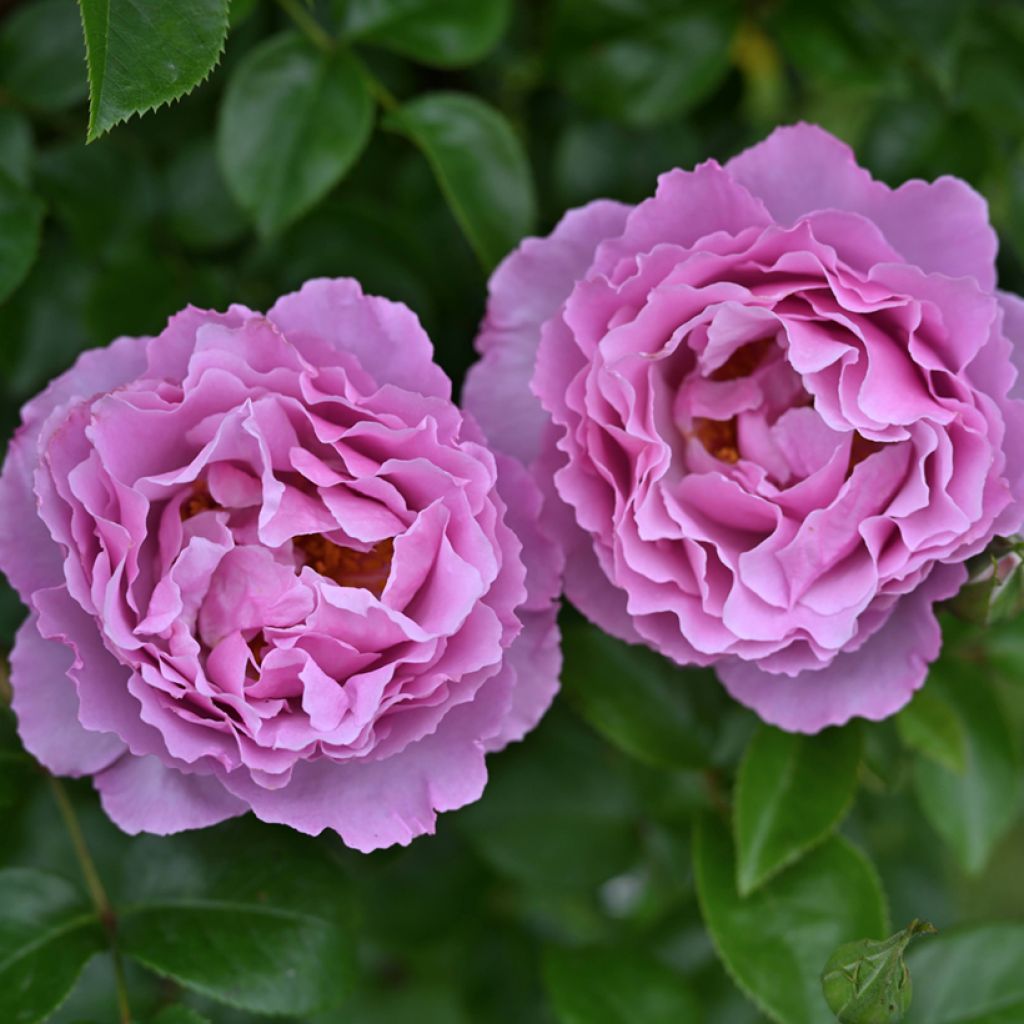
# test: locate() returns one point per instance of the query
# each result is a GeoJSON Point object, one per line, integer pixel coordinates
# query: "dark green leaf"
{"type": "Point", "coordinates": [637, 699]}
{"type": "Point", "coordinates": [144, 53]}
{"type": "Point", "coordinates": [446, 33]}
{"type": "Point", "coordinates": [616, 986]}
{"type": "Point", "coordinates": [105, 194]}
{"type": "Point", "coordinates": [867, 982]}
{"type": "Point", "coordinates": [95, 999]}
{"type": "Point", "coordinates": [16, 767]}
{"type": "Point", "coordinates": [251, 916]}
{"type": "Point", "coordinates": [21, 223]}
{"type": "Point", "coordinates": [647, 61]}
{"type": "Point", "coordinates": [973, 809]}
{"type": "Point", "coordinates": [969, 976]}
{"type": "Point", "coordinates": [558, 812]}
{"type": "Point", "coordinates": [15, 146]}
{"type": "Point", "coordinates": [434, 1003]}
{"type": "Point", "coordinates": [774, 942]}
{"type": "Point", "coordinates": [479, 164]}
{"type": "Point", "coordinates": [42, 58]}
{"type": "Point", "coordinates": [292, 122]}
{"type": "Point", "coordinates": [791, 793]}
{"type": "Point", "coordinates": [202, 212]}
{"type": "Point", "coordinates": [42, 325]}
{"type": "Point", "coordinates": [930, 726]}
{"type": "Point", "coordinates": [47, 934]}
{"type": "Point", "coordinates": [179, 1015]}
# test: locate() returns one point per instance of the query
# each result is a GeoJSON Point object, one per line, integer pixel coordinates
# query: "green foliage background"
{"type": "Point", "coordinates": [651, 853]}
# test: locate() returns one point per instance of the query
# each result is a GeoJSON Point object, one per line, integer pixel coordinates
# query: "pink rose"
{"type": "Point", "coordinates": [771, 408]}
{"type": "Point", "coordinates": [271, 567]}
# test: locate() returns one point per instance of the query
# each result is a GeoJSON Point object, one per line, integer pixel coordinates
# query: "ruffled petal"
{"type": "Point", "coordinates": [46, 705]}
{"type": "Point", "coordinates": [873, 682]}
{"type": "Point", "coordinates": [374, 804]}
{"type": "Point", "coordinates": [386, 337]}
{"type": "Point", "coordinates": [141, 794]}
{"type": "Point", "coordinates": [528, 288]}
{"type": "Point", "coordinates": [940, 226]}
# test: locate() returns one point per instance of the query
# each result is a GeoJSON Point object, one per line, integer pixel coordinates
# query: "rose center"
{"type": "Point", "coordinates": [199, 501]}
{"type": "Point", "coordinates": [347, 566]}
{"type": "Point", "coordinates": [718, 437]}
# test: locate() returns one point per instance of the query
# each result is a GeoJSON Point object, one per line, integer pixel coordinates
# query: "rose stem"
{"type": "Point", "coordinates": [322, 40]}
{"type": "Point", "coordinates": [98, 895]}
{"type": "Point", "coordinates": [310, 27]}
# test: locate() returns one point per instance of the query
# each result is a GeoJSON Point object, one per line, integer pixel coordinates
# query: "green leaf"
{"type": "Point", "coordinates": [293, 121]}
{"type": "Point", "coordinates": [774, 942]}
{"type": "Point", "coordinates": [972, 809]}
{"type": "Point", "coordinates": [21, 225]}
{"type": "Point", "coordinates": [867, 982]}
{"type": "Point", "coordinates": [179, 1015]}
{"type": "Point", "coordinates": [969, 976]}
{"type": "Point", "coordinates": [480, 165]}
{"type": "Point", "coordinates": [251, 916]}
{"type": "Point", "coordinates": [646, 61]}
{"type": "Point", "coordinates": [559, 812]}
{"type": "Point", "coordinates": [615, 986]}
{"type": "Point", "coordinates": [202, 212]}
{"type": "Point", "coordinates": [16, 767]}
{"type": "Point", "coordinates": [105, 194]}
{"type": "Point", "coordinates": [792, 792]}
{"type": "Point", "coordinates": [47, 935]}
{"type": "Point", "coordinates": [15, 146]}
{"type": "Point", "coordinates": [42, 59]}
{"type": "Point", "coordinates": [929, 725]}
{"type": "Point", "coordinates": [144, 53]}
{"type": "Point", "coordinates": [444, 33]}
{"type": "Point", "coordinates": [637, 699]}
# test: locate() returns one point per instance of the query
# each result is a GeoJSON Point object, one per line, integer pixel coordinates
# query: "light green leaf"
{"type": "Point", "coordinates": [637, 699]}
{"type": "Point", "coordinates": [969, 976]}
{"type": "Point", "coordinates": [42, 59]}
{"type": "Point", "coordinates": [929, 725]}
{"type": "Point", "coordinates": [480, 165]}
{"type": "Point", "coordinates": [21, 224]}
{"type": "Point", "coordinates": [445, 33]}
{"type": "Point", "coordinates": [791, 793]}
{"type": "Point", "coordinates": [646, 61]}
{"type": "Point", "coordinates": [293, 121]}
{"type": "Point", "coordinates": [973, 809]}
{"type": "Point", "coordinates": [867, 982]}
{"type": "Point", "coordinates": [47, 935]}
{"type": "Point", "coordinates": [247, 915]}
{"type": "Point", "coordinates": [774, 942]}
{"type": "Point", "coordinates": [144, 53]}
{"type": "Point", "coordinates": [615, 986]}
{"type": "Point", "coordinates": [15, 146]}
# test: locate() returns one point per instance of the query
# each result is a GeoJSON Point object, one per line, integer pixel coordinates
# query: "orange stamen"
{"type": "Point", "coordinates": [347, 566]}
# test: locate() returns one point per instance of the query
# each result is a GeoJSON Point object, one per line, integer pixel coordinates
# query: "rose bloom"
{"type": "Point", "coordinates": [772, 409]}
{"type": "Point", "coordinates": [271, 567]}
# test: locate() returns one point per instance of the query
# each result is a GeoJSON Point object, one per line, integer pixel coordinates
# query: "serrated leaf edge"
{"type": "Point", "coordinates": [92, 134]}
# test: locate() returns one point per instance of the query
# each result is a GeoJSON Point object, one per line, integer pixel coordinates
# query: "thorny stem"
{"type": "Point", "coordinates": [98, 895]}
{"type": "Point", "coordinates": [308, 25]}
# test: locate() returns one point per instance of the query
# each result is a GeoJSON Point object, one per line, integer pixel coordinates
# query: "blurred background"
{"type": "Point", "coordinates": [576, 843]}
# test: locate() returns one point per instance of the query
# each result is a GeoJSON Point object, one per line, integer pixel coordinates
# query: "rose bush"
{"type": "Point", "coordinates": [270, 566]}
{"type": "Point", "coordinates": [773, 408]}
